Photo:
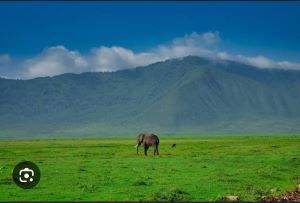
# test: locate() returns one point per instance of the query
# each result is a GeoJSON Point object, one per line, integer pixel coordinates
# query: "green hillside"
{"type": "Point", "coordinates": [190, 96]}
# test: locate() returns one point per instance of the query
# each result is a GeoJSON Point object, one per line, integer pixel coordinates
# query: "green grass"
{"type": "Point", "coordinates": [199, 168]}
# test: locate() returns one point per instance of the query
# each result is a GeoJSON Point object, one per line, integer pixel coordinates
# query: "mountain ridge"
{"type": "Point", "coordinates": [190, 95]}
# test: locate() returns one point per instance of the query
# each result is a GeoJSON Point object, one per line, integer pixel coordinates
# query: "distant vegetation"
{"type": "Point", "coordinates": [190, 96]}
{"type": "Point", "coordinates": [198, 169]}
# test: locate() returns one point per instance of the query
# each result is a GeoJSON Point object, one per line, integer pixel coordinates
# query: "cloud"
{"type": "Point", "coordinates": [58, 59]}
{"type": "Point", "coordinates": [5, 59]}
{"type": "Point", "coordinates": [54, 61]}
{"type": "Point", "coordinates": [259, 61]}
{"type": "Point", "coordinates": [288, 65]}
{"type": "Point", "coordinates": [197, 40]}
{"type": "Point", "coordinates": [5, 66]}
{"type": "Point", "coordinates": [117, 58]}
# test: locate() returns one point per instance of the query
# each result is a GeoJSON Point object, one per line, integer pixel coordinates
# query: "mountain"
{"type": "Point", "coordinates": [179, 96]}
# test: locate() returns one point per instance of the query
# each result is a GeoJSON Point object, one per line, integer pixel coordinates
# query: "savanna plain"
{"type": "Point", "coordinates": [199, 168]}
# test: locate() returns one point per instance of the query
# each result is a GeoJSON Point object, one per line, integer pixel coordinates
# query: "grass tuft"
{"type": "Point", "coordinates": [172, 195]}
{"type": "Point", "coordinates": [139, 183]}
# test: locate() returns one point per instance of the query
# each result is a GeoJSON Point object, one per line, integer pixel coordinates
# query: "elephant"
{"type": "Point", "coordinates": [147, 140]}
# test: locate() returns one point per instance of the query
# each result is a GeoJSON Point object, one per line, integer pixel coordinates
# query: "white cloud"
{"type": "Point", "coordinates": [53, 61]}
{"type": "Point", "coordinates": [5, 59]}
{"type": "Point", "coordinates": [194, 39]}
{"type": "Point", "coordinates": [117, 58]}
{"type": "Point", "coordinates": [224, 55]}
{"type": "Point", "coordinates": [58, 59]}
{"type": "Point", "coordinates": [288, 65]}
{"type": "Point", "coordinates": [259, 61]}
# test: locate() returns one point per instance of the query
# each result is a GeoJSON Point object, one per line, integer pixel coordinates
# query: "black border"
{"type": "Point", "coordinates": [183, 1]}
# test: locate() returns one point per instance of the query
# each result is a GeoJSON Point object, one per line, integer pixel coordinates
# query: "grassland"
{"type": "Point", "coordinates": [199, 168]}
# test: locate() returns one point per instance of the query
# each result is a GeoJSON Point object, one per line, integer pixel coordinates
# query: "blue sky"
{"type": "Point", "coordinates": [33, 33]}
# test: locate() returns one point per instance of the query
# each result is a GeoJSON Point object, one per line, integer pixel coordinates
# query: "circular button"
{"type": "Point", "coordinates": [26, 174]}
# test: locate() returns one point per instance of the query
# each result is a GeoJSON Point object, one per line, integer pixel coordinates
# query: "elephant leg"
{"type": "Point", "coordinates": [146, 147]}
{"type": "Point", "coordinates": [154, 149]}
